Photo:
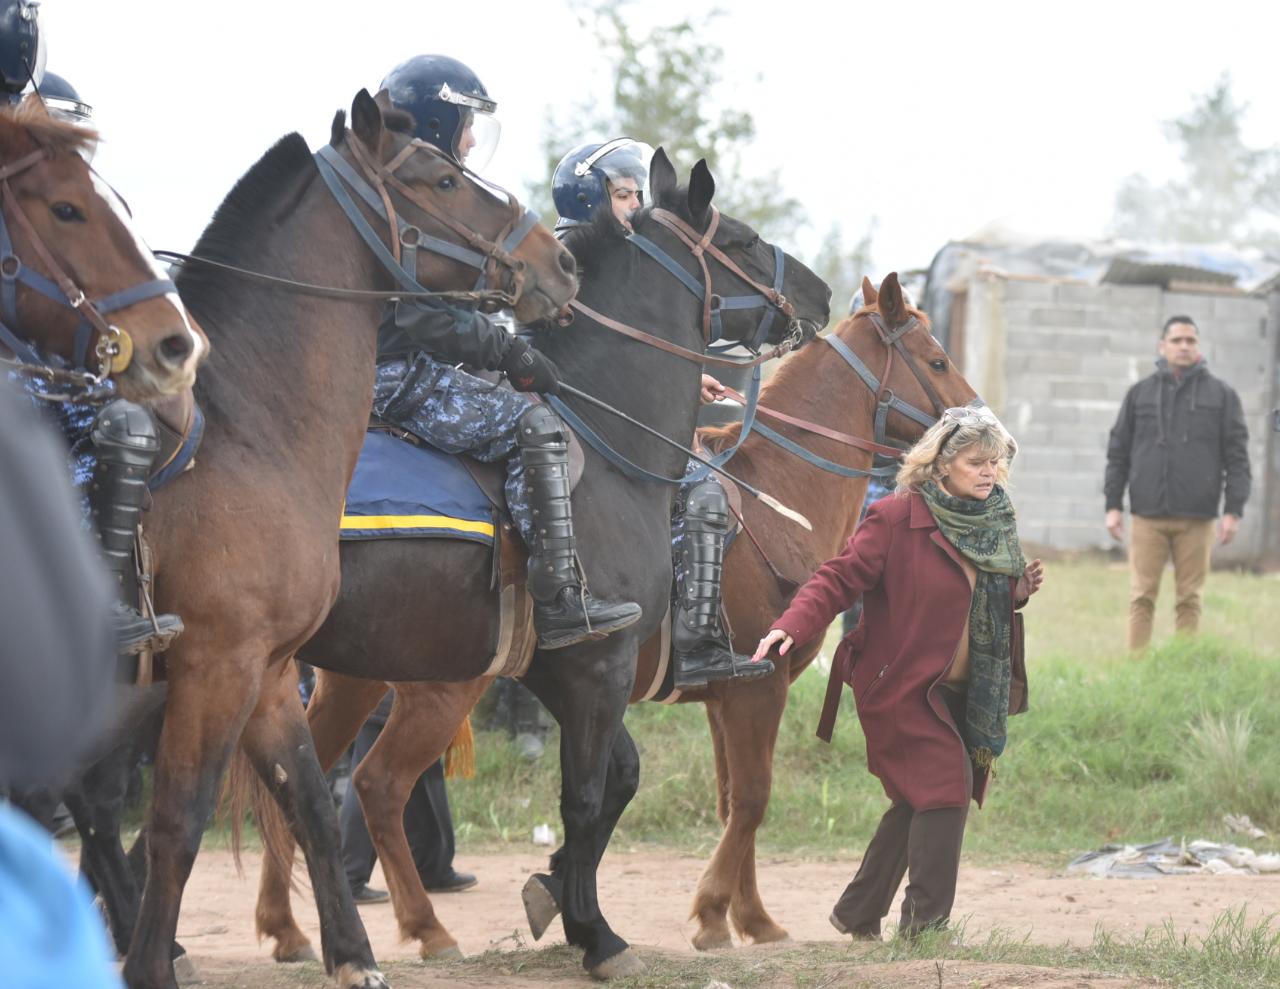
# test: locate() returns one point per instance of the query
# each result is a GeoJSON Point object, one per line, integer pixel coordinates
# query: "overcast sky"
{"type": "Point", "coordinates": [936, 118]}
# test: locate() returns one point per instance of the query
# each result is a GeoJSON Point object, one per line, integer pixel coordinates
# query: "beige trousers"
{"type": "Point", "coordinates": [1151, 544]}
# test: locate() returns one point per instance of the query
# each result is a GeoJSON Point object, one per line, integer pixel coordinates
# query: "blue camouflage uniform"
{"type": "Point", "coordinates": [420, 389]}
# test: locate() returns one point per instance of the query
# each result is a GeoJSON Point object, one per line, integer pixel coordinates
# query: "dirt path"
{"type": "Point", "coordinates": [647, 893]}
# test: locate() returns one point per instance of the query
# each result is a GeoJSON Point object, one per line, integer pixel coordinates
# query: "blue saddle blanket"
{"type": "Point", "coordinates": [400, 491]}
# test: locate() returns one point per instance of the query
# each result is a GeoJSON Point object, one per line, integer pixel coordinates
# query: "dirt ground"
{"type": "Point", "coordinates": [646, 894]}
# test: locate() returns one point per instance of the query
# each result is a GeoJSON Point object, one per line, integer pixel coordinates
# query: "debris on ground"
{"type": "Point", "coordinates": [1240, 824]}
{"type": "Point", "coordinates": [1174, 858]}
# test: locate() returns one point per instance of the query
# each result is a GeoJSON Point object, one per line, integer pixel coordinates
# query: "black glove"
{"type": "Point", "coordinates": [529, 369]}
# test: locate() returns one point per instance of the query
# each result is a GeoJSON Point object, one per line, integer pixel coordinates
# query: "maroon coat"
{"type": "Point", "coordinates": [916, 600]}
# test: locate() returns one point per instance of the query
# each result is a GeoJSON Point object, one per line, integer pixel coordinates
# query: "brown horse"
{"type": "Point", "coordinates": [815, 385]}
{"type": "Point", "coordinates": [246, 544]}
{"type": "Point", "coordinates": [412, 610]}
{"type": "Point", "coordinates": [71, 259]}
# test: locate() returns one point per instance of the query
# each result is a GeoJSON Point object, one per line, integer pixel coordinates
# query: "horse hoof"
{"type": "Point", "coordinates": [355, 977]}
{"type": "Point", "coordinates": [303, 953]}
{"type": "Point", "coordinates": [712, 940]}
{"type": "Point", "coordinates": [623, 965]}
{"type": "Point", "coordinates": [184, 970]}
{"type": "Point", "coordinates": [448, 953]}
{"type": "Point", "coordinates": [540, 906]}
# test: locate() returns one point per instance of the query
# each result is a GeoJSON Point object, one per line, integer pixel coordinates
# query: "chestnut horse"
{"type": "Point", "coordinates": [69, 259]}
{"type": "Point", "coordinates": [413, 610]}
{"type": "Point", "coordinates": [246, 544]}
{"type": "Point", "coordinates": [819, 386]}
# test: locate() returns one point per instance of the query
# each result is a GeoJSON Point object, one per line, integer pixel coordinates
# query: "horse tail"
{"type": "Point", "coordinates": [460, 756]}
{"type": "Point", "coordinates": [243, 792]}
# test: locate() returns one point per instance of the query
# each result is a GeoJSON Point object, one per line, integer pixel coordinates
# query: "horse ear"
{"type": "Point", "coordinates": [892, 306]}
{"type": "Point", "coordinates": [662, 176]}
{"type": "Point", "coordinates": [701, 188]}
{"type": "Point", "coordinates": [869, 294]}
{"type": "Point", "coordinates": [366, 120]}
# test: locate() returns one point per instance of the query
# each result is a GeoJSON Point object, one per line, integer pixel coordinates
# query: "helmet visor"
{"type": "Point", "coordinates": [477, 139]}
{"type": "Point", "coordinates": [626, 160]}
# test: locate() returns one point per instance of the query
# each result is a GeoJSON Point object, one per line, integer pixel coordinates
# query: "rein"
{"type": "Point", "coordinates": [114, 347]}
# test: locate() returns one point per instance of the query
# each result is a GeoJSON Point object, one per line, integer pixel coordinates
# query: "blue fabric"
{"type": "Point", "coordinates": [74, 420]}
{"type": "Point", "coordinates": [51, 937]}
{"type": "Point", "coordinates": [456, 412]}
{"type": "Point", "coordinates": [404, 491]}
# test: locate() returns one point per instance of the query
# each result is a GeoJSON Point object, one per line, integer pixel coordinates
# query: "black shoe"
{"type": "Point", "coordinates": [367, 894]}
{"type": "Point", "coordinates": [455, 882]}
{"type": "Point", "coordinates": [134, 632]}
{"type": "Point", "coordinates": [573, 616]}
{"type": "Point", "coordinates": [710, 661]}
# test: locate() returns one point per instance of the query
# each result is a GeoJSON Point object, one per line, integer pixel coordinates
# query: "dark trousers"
{"type": "Point", "coordinates": [924, 846]}
{"type": "Point", "coordinates": [427, 822]}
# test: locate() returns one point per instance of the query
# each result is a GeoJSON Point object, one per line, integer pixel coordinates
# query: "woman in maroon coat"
{"type": "Point", "coordinates": [935, 664]}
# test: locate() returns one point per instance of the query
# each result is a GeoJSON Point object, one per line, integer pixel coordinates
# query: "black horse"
{"type": "Point", "coordinates": [412, 611]}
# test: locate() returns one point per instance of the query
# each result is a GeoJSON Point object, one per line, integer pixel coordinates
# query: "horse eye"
{"type": "Point", "coordinates": [939, 365]}
{"type": "Point", "coordinates": [753, 242]}
{"type": "Point", "coordinates": [447, 183]}
{"type": "Point", "coordinates": [67, 213]}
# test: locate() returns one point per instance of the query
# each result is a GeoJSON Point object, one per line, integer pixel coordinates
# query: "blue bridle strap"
{"type": "Point", "coordinates": [872, 382]}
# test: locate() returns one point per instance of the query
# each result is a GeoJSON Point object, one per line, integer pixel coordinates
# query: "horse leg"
{"type": "Point", "coordinates": [749, 720]}
{"type": "Point", "coordinates": [207, 706]}
{"type": "Point", "coordinates": [424, 718]}
{"type": "Point", "coordinates": [600, 772]}
{"type": "Point", "coordinates": [715, 889]}
{"type": "Point", "coordinates": [339, 706]}
{"type": "Point", "coordinates": [278, 743]}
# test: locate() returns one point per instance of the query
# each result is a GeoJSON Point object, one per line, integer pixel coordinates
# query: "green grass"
{"type": "Point", "coordinates": [1113, 747]}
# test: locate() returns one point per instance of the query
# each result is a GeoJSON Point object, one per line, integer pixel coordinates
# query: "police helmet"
{"type": "Point", "coordinates": [21, 47]}
{"type": "Point", "coordinates": [449, 105]}
{"type": "Point", "coordinates": [579, 185]}
{"type": "Point", "coordinates": [63, 101]}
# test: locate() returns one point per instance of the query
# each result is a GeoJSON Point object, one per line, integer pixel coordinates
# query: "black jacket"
{"type": "Point", "coordinates": [1180, 446]}
{"type": "Point", "coordinates": [450, 334]}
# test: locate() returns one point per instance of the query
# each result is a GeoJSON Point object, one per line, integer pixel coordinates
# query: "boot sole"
{"type": "Point", "coordinates": [573, 636]}
{"type": "Point", "coordinates": [721, 678]}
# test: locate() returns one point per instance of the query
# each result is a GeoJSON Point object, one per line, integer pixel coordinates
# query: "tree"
{"type": "Point", "coordinates": [664, 85]}
{"type": "Point", "coordinates": [842, 268]}
{"type": "Point", "coordinates": [1227, 188]}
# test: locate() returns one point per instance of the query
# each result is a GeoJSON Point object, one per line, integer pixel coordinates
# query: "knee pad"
{"type": "Point", "coordinates": [707, 506]}
{"type": "Point", "coordinates": [125, 433]}
{"type": "Point", "coordinates": [540, 428]}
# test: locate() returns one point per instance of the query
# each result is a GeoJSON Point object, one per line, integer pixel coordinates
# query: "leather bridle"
{"type": "Point", "coordinates": [113, 348]}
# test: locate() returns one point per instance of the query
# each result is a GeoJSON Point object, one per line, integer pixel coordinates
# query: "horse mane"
{"type": "Point", "coordinates": [252, 202]}
{"type": "Point", "coordinates": [49, 133]}
{"type": "Point", "coordinates": [717, 438]}
{"type": "Point", "coordinates": [587, 240]}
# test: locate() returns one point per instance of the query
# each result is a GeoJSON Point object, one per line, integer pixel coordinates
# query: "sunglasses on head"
{"type": "Point", "coordinates": [968, 415]}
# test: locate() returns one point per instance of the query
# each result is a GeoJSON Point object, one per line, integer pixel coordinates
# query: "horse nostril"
{"type": "Point", "coordinates": [174, 349]}
{"type": "Point", "coordinates": [567, 263]}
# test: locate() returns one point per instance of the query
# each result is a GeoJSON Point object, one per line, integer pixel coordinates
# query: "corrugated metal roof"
{"type": "Point", "coordinates": [1126, 271]}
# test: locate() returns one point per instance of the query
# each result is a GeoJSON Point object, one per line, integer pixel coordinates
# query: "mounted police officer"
{"type": "Point", "coordinates": [113, 445]}
{"type": "Point", "coordinates": [608, 178]}
{"type": "Point", "coordinates": [420, 389]}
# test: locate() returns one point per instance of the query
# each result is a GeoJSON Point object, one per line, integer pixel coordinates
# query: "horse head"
{"type": "Point", "coordinates": [479, 225]}
{"type": "Point", "coordinates": [76, 280]}
{"type": "Point", "coordinates": [753, 292]}
{"type": "Point", "coordinates": [915, 377]}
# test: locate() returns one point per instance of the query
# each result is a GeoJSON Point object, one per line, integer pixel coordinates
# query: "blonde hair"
{"type": "Point", "coordinates": [944, 441]}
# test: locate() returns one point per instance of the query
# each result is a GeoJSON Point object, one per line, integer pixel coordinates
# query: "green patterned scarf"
{"type": "Point", "coordinates": [986, 534]}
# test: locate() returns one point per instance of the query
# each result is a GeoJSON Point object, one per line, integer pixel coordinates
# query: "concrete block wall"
{"type": "Point", "coordinates": [1055, 360]}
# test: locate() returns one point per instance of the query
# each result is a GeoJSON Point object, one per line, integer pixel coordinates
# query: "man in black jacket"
{"type": "Point", "coordinates": [1180, 445]}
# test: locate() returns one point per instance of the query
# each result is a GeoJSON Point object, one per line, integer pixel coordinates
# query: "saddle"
{"type": "Point", "coordinates": [508, 567]}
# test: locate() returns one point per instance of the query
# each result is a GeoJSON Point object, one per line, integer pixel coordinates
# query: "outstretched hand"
{"type": "Point", "coordinates": [774, 636]}
{"type": "Point", "coordinates": [711, 390]}
{"type": "Point", "coordinates": [1031, 579]}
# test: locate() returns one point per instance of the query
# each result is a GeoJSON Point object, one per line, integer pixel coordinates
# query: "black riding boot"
{"type": "Point", "coordinates": [563, 612]}
{"type": "Point", "coordinates": [127, 443]}
{"type": "Point", "coordinates": [698, 641]}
